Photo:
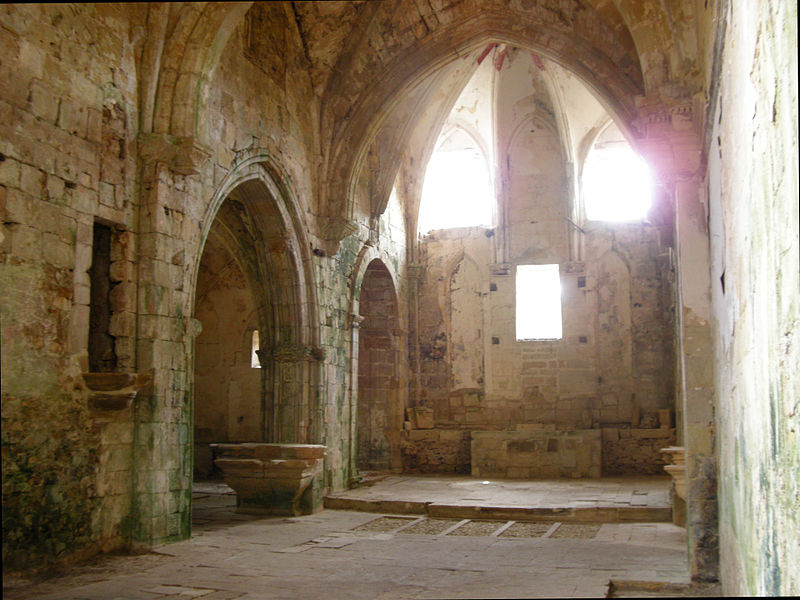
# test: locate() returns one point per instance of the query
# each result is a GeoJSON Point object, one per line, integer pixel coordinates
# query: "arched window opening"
{"type": "Point", "coordinates": [458, 189]}
{"type": "Point", "coordinates": [617, 184]}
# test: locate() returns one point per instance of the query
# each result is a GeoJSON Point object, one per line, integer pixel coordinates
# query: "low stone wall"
{"type": "Point", "coordinates": [635, 451]}
{"type": "Point", "coordinates": [536, 454]}
{"type": "Point", "coordinates": [435, 451]}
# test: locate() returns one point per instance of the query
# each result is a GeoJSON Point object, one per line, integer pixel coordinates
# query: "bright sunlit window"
{"type": "Point", "coordinates": [458, 191]}
{"type": "Point", "coordinates": [538, 302]}
{"type": "Point", "coordinates": [617, 185]}
{"type": "Point", "coordinates": [254, 362]}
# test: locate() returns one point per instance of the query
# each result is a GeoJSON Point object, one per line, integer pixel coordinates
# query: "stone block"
{"type": "Point", "coordinates": [429, 435]}
{"type": "Point", "coordinates": [423, 417]}
{"type": "Point", "coordinates": [452, 435]}
{"type": "Point", "coordinates": [471, 400]}
{"type": "Point", "coordinates": [122, 270]}
{"type": "Point", "coordinates": [610, 435]}
{"type": "Point", "coordinates": [530, 426]}
{"type": "Point", "coordinates": [518, 472]}
{"type": "Point", "coordinates": [523, 459]}
{"type": "Point", "coordinates": [56, 252]}
{"type": "Point", "coordinates": [43, 102]}
{"type": "Point", "coordinates": [547, 472]}
{"type": "Point", "coordinates": [651, 433]}
{"type": "Point", "coordinates": [31, 180]}
{"type": "Point", "coordinates": [26, 242]}
{"type": "Point", "coordinates": [10, 173]}
{"type": "Point", "coordinates": [122, 323]}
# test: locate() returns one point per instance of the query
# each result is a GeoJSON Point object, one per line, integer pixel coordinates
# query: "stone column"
{"type": "Point", "coordinates": [293, 421]}
{"type": "Point", "coordinates": [163, 452]}
{"type": "Point", "coordinates": [696, 383]}
{"type": "Point", "coordinates": [354, 321]}
{"type": "Point", "coordinates": [673, 146]}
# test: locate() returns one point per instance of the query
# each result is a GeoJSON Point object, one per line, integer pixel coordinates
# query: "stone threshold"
{"type": "Point", "coordinates": [620, 514]}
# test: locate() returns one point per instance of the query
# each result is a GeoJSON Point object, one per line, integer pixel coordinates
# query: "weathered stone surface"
{"type": "Point", "coordinates": [638, 454]}
{"type": "Point", "coordinates": [536, 454]}
{"type": "Point", "coordinates": [435, 451]}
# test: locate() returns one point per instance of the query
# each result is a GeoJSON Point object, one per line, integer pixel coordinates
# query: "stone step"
{"type": "Point", "coordinates": [602, 514]}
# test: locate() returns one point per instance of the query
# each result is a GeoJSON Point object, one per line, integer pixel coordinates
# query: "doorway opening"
{"type": "Point", "coordinates": [250, 373]}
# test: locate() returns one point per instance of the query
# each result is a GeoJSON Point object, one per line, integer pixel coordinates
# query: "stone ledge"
{"type": "Point", "coordinates": [110, 392]}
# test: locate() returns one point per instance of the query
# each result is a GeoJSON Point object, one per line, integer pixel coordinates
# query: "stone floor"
{"type": "Point", "coordinates": [352, 554]}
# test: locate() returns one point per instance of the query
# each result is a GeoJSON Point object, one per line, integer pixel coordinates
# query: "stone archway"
{"type": "Point", "coordinates": [380, 409]}
{"type": "Point", "coordinates": [230, 395]}
{"type": "Point", "coordinates": [252, 277]}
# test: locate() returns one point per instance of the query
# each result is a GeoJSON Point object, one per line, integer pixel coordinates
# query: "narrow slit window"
{"type": "Point", "coordinates": [538, 302]}
{"type": "Point", "coordinates": [102, 351]}
{"type": "Point", "coordinates": [254, 362]}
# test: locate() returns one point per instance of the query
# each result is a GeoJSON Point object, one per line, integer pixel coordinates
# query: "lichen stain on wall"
{"type": "Point", "coordinates": [51, 449]}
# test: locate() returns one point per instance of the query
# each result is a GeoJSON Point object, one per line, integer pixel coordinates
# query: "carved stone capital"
{"type": "Point", "coordinates": [574, 267]}
{"type": "Point", "coordinates": [501, 269]}
{"type": "Point", "coordinates": [194, 327]}
{"type": "Point", "coordinates": [355, 320]}
{"type": "Point", "coordinates": [292, 353]}
{"type": "Point", "coordinates": [334, 229]}
{"type": "Point", "coordinates": [184, 155]}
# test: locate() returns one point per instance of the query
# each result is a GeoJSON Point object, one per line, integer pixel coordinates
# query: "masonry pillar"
{"type": "Point", "coordinates": [295, 418]}
{"type": "Point", "coordinates": [672, 144]}
{"type": "Point", "coordinates": [696, 384]}
{"type": "Point", "coordinates": [162, 454]}
{"type": "Point", "coordinates": [351, 407]}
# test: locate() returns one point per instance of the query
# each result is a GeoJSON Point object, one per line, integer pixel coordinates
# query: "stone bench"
{"type": "Point", "coordinates": [273, 479]}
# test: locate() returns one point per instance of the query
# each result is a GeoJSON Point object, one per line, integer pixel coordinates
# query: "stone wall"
{"type": "Point", "coordinates": [536, 454]}
{"type": "Point", "coordinates": [67, 157]}
{"type": "Point", "coordinates": [753, 214]}
{"type": "Point", "coordinates": [145, 118]}
{"type": "Point", "coordinates": [598, 374]}
{"type": "Point", "coordinates": [436, 451]}
{"type": "Point", "coordinates": [621, 451]}
{"type": "Point", "coordinates": [91, 134]}
{"type": "Point", "coordinates": [617, 285]}
{"type": "Point", "coordinates": [632, 451]}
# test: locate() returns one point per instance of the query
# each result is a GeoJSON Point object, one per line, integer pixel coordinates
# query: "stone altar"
{"type": "Point", "coordinates": [273, 479]}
